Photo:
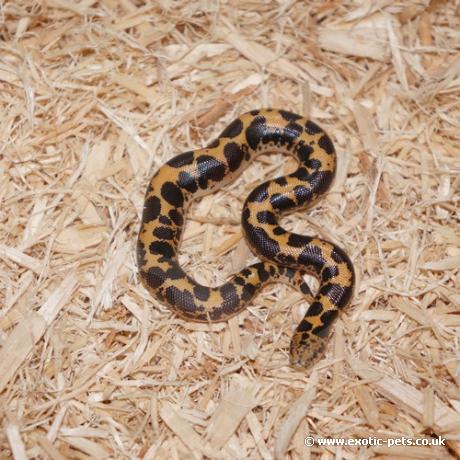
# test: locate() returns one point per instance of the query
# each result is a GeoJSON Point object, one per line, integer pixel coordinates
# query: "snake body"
{"type": "Point", "coordinates": [286, 256]}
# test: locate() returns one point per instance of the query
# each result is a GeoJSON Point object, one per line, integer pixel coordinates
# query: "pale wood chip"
{"type": "Point", "coordinates": [182, 429]}
{"type": "Point", "coordinates": [89, 447]}
{"type": "Point", "coordinates": [30, 330]}
{"type": "Point", "coordinates": [299, 409]}
{"type": "Point", "coordinates": [233, 407]}
{"type": "Point", "coordinates": [345, 42]}
{"type": "Point", "coordinates": [15, 441]}
{"type": "Point", "coordinates": [20, 258]}
{"type": "Point", "coordinates": [448, 263]}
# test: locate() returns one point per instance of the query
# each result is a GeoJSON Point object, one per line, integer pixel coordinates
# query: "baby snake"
{"type": "Point", "coordinates": [286, 256]}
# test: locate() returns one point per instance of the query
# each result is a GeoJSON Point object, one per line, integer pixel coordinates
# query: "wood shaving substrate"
{"type": "Point", "coordinates": [94, 96]}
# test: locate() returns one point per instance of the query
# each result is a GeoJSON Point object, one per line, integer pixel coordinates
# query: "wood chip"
{"type": "Point", "coordinates": [234, 406]}
{"type": "Point", "coordinates": [345, 42]}
{"type": "Point", "coordinates": [30, 330]}
{"type": "Point", "coordinates": [298, 411]}
{"type": "Point", "coordinates": [181, 428]}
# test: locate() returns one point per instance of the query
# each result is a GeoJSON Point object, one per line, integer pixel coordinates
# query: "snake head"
{"type": "Point", "coordinates": [306, 349]}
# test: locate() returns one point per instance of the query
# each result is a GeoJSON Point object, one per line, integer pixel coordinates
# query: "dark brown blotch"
{"type": "Point", "coordinates": [183, 300]}
{"type": "Point", "coordinates": [155, 277]}
{"type": "Point", "coordinates": [181, 160]}
{"type": "Point", "coordinates": [302, 174]}
{"type": "Point", "coordinates": [292, 131]}
{"type": "Point", "coordinates": [312, 256]}
{"type": "Point", "coordinates": [304, 288]}
{"type": "Point", "coordinates": [334, 291]}
{"type": "Point", "coordinates": [312, 128]}
{"type": "Point", "coordinates": [326, 144]}
{"type": "Point", "coordinates": [316, 308]}
{"type": "Point", "coordinates": [215, 143]}
{"type": "Point", "coordinates": [176, 217]}
{"type": "Point", "coordinates": [304, 326]}
{"type": "Point", "coordinates": [298, 241]}
{"type": "Point", "coordinates": [281, 202]}
{"type": "Point", "coordinates": [164, 233]}
{"type": "Point", "coordinates": [266, 217]}
{"type": "Point", "coordinates": [202, 292]}
{"type": "Point", "coordinates": [286, 259]}
{"type": "Point", "coordinates": [152, 209]}
{"type": "Point", "coordinates": [329, 316]}
{"type": "Point", "coordinates": [267, 246]}
{"type": "Point", "coordinates": [329, 272]}
{"type": "Point", "coordinates": [289, 116]}
{"type": "Point", "coordinates": [313, 163]}
{"type": "Point", "coordinates": [172, 194]}
{"type": "Point", "coordinates": [302, 194]}
{"type": "Point", "coordinates": [248, 291]}
{"type": "Point", "coordinates": [187, 181]}
{"type": "Point", "coordinates": [233, 129]}
{"type": "Point", "coordinates": [162, 248]}
{"type": "Point", "coordinates": [263, 274]}
{"type": "Point", "coordinates": [234, 155]}
{"type": "Point", "coordinates": [209, 169]}
{"type": "Point", "coordinates": [259, 194]}
{"type": "Point", "coordinates": [279, 231]}
{"type": "Point", "coordinates": [256, 131]}
{"type": "Point", "coordinates": [304, 152]}
{"type": "Point", "coordinates": [165, 220]}
{"type": "Point", "coordinates": [229, 296]}
{"type": "Point", "coordinates": [323, 330]}
{"type": "Point", "coordinates": [320, 181]}
{"type": "Point", "coordinates": [175, 272]}
{"type": "Point", "coordinates": [280, 181]}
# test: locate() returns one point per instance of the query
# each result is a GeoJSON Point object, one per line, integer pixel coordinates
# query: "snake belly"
{"type": "Point", "coordinates": [286, 256]}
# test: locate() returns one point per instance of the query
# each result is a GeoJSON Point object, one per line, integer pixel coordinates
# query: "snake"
{"type": "Point", "coordinates": [284, 256]}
